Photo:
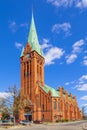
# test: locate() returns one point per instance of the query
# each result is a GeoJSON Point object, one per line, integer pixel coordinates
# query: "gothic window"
{"type": "Point", "coordinates": [66, 106]}
{"type": "Point", "coordinates": [24, 87]}
{"type": "Point", "coordinates": [27, 68]}
{"type": "Point", "coordinates": [40, 74]}
{"type": "Point", "coordinates": [37, 69]}
{"type": "Point", "coordinates": [55, 105]}
{"type": "Point", "coordinates": [46, 102]}
{"type": "Point", "coordinates": [30, 68]}
{"type": "Point", "coordinates": [25, 74]}
{"type": "Point", "coordinates": [48, 99]}
{"type": "Point", "coordinates": [40, 97]}
{"type": "Point", "coordinates": [27, 87]}
{"type": "Point", "coordinates": [24, 69]}
{"type": "Point", "coordinates": [59, 106]}
{"type": "Point", "coordinates": [40, 71]}
{"type": "Point", "coordinates": [42, 107]}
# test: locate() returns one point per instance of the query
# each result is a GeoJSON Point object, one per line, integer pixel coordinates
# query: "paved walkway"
{"type": "Point", "coordinates": [50, 126]}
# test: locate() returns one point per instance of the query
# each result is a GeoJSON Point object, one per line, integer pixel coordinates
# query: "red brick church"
{"type": "Point", "coordinates": [40, 101]}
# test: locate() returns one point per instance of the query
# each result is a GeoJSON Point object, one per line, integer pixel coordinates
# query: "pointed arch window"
{"type": "Point", "coordinates": [59, 106]}
{"type": "Point", "coordinates": [55, 104]}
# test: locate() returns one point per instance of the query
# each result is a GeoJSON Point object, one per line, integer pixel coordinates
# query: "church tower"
{"type": "Point", "coordinates": [32, 64]}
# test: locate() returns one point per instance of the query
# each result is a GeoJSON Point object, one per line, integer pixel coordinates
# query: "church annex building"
{"type": "Point", "coordinates": [40, 101]}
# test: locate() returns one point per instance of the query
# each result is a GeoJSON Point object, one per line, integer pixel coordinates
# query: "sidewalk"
{"type": "Point", "coordinates": [10, 127]}
{"type": "Point", "coordinates": [2, 128]}
{"type": "Point", "coordinates": [13, 127]}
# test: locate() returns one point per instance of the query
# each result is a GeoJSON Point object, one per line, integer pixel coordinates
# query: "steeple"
{"type": "Point", "coordinates": [33, 38]}
{"type": "Point", "coordinates": [22, 52]}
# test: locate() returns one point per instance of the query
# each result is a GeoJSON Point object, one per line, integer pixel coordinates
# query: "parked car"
{"type": "Point", "coordinates": [5, 121]}
{"type": "Point", "coordinates": [25, 122]}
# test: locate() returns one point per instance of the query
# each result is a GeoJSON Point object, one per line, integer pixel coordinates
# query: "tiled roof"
{"type": "Point", "coordinates": [47, 88]}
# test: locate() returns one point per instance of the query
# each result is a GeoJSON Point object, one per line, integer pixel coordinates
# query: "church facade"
{"type": "Point", "coordinates": [40, 101]}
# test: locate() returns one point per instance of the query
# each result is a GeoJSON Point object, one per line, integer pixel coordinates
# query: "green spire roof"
{"type": "Point", "coordinates": [22, 52]}
{"type": "Point", "coordinates": [33, 39]}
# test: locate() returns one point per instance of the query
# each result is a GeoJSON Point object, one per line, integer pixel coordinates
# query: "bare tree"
{"type": "Point", "coordinates": [3, 108]}
{"type": "Point", "coordinates": [2, 104]}
{"type": "Point", "coordinates": [12, 99]}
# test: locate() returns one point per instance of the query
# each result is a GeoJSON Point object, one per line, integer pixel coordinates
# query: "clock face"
{"type": "Point", "coordinates": [27, 55]}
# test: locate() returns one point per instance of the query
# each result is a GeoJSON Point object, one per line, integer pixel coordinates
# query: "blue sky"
{"type": "Point", "coordinates": [62, 33]}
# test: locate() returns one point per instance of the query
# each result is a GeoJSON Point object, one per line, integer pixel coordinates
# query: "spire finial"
{"type": "Point", "coordinates": [32, 10]}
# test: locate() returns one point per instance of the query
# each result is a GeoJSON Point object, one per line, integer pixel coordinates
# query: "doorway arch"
{"type": "Point", "coordinates": [28, 113]}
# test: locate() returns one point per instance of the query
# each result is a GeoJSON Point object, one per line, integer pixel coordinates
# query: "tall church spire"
{"type": "Point", "coordinates": [33, 38]}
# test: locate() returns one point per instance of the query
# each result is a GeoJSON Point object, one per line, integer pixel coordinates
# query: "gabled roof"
{"type": "Point", "coordinates": [47, 88]}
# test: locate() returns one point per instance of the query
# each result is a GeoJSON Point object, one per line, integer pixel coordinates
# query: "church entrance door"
{"type": "Point", "coordinates": [28, 113]}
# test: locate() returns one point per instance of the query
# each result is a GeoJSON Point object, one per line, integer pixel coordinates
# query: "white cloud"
{"type": "Point", "coordinates": [68, 3]}
{"type": "Point", "coordinates": [85, 61]}
{"type": "Point", "coordinates": [76, 49]}
{"type": "Point", "coordinates": [45, 44]}
{"type": "Point", "coordinates": [67, 83]}
{"type": "Point", "coordinates": [82, 87]}
{"type": "Point", "coordinates": [65, 27]}
{"type": "Point", "coordinates": [85, 57]}
{"type": "Point", "coordinates": [70, 83]}
{"type": "Point", "coordinates": [14, 26]}
{"type": "Point", "coordinates": [85, 105]}
{"type": "Point", "coordinates": [84, 98]}
{"type": "Point", "coordinates": [77, 46]}
{"type": "Point", "coordinates": [82, 4]}
{"type": "Point", "coordinates": [81, 83]}
{"type": "Point", "coordinates": [53, 54]}
{"type": "Point", "coordinates": [4, 95]}
{"type": "Point", "coordinates": [63, 3]}
{"type": "Point", "coordinates": [71, 58]}
{"type": "Point", "coordinates": [83, 78]}
{"type": "Point", "coordinates": [18, 45]}
{"type": "Point", "coordinates": [24, 25]}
